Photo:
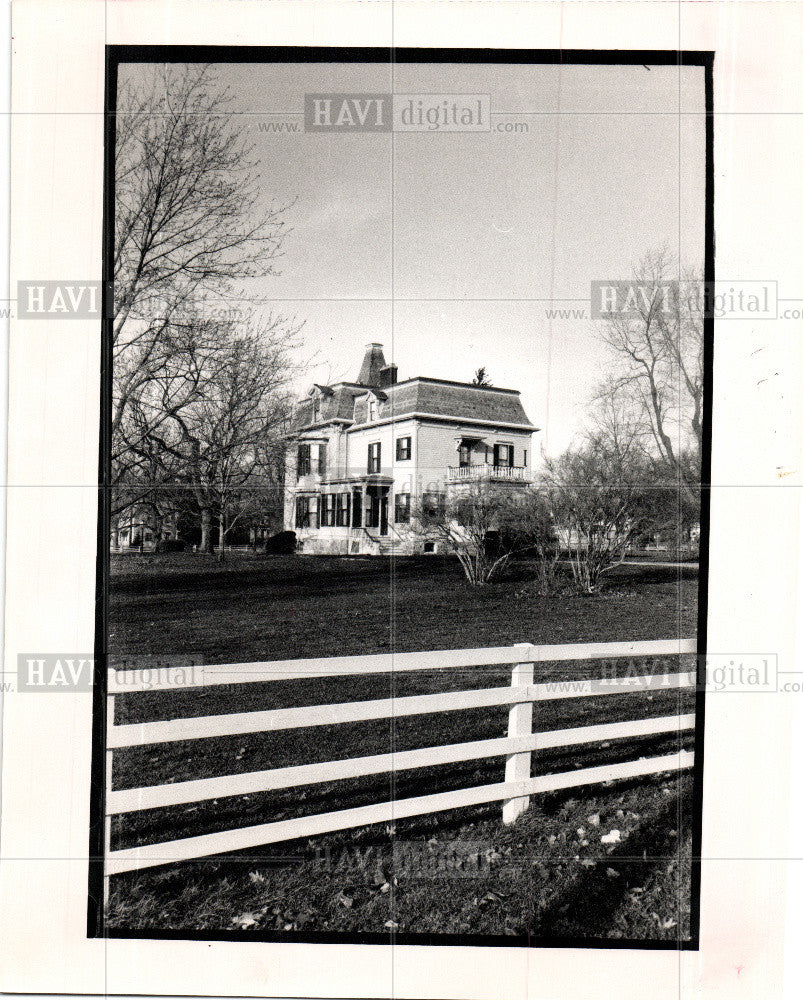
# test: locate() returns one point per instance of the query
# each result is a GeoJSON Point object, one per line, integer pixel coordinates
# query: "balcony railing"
{"type": "Point", "coordinates": [473, 473]}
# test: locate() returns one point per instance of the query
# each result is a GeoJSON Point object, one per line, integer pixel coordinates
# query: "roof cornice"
{"type": "Point", "coordinates": [440, 418]}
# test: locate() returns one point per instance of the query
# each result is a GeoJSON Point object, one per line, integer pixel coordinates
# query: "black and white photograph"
{"type": "Point", "coordinates": [402, 500]}
{"type": "Point", "coordinates": [403, 558]}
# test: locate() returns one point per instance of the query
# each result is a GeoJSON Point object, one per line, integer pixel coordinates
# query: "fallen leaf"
{"type": "Point", "coordinates": [611, 838]}
{"type": "Point", "coordinates": [491, 897]}
{"type": "Point", "coordinates": [594, 820]}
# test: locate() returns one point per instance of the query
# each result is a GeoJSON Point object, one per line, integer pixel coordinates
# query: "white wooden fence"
{"type": "Point", "coordinates": [517, 746]}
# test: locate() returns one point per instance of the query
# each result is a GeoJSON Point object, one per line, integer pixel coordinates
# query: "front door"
{"type": "Point", "coordinates": [377, 514]}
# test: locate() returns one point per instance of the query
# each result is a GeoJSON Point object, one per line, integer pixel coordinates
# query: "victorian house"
{"type": "Point", "coordinates": [363, 455]}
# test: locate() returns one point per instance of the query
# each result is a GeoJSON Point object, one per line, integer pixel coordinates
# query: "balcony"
{"type": "Point", "coordinates": [488, 473]}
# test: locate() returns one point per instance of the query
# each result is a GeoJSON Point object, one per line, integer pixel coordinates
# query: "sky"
{"type": "Point", "coordinates": [450, 248]}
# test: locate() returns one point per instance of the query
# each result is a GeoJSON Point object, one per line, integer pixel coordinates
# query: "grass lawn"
{"type": "Point", "coordinates": [538, 877]}
{"type": "Point", "coordinates": [272, 608]}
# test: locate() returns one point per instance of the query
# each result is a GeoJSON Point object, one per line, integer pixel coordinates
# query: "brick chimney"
{"type": "Point", "coordinates": [388, 376]}
{"type": "Point", "coordinates": [372, 365]}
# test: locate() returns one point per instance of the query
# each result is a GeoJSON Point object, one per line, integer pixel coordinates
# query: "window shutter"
{"type": "Point", "coordinates": [496, 454]}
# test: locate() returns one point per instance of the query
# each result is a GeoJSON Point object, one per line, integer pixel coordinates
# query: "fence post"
{"type": "Point", "coordinates": [520, 723]}
{"type": "Point", "coordinates": [107, 819]}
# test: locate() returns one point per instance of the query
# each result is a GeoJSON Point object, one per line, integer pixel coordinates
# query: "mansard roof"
{"type": "Point", "coordinates": [460, 400]}
{"type": "Point", "coordinates": [347, 402]}
{"type": "Point", "coordinates": [435, 397]}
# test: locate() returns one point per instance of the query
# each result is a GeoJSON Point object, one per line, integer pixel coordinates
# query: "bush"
{"type": "Point", "coordinates": [170, 545]}
{"type": "Point", "coordinates": [281, 544]}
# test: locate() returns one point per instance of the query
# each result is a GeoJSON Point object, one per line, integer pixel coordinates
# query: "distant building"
{"type": "Point", "coordinates": [140, 530]}
{"type": "Point", "coordinates": [361, 455]}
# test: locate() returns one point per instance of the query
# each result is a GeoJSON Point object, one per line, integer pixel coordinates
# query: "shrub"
{"type": "Point", "coordinates": [170, 545]}
{"type": "Point", "coordinates": [282, 543]}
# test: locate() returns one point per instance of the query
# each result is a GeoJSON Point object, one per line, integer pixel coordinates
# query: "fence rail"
{"type": "Point", "coordinates": [517, 747]}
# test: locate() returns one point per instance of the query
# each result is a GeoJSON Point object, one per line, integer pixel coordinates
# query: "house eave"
{"type": "Point", "coordinates": [444, 419]}
{"type": "Point", "coordinates": [310, 428]}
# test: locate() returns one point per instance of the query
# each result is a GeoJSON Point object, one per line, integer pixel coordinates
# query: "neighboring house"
{"type": "Point", "coordinates": [139, 529]}
{"type": "Point", "coordinates": [361, 455]}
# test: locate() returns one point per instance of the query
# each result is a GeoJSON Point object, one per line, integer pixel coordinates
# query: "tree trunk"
{"type": "Point", "coordinates": [221, 549]}
{"type": "Point", "coordinates": [206, 531]}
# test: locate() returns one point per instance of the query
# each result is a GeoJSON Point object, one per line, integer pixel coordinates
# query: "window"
{"type": "Point", "coordinates": [402, 511]}
{"type": "Point", "coordinates": [433, 505]}
{"type": "Point", "coordinates": [503, 456]}
{"type": "Point", "coordinates": [302, 512]}
{"type": "Point", "coordinates": [464, 454]}
{"type": "Point", "coordinates": [374, 457]}
{"type": "Point", "coordinates": [403, 449]}
{"type": "Point", "coordinates": [321, 459]}
{"type": "Point", "coordinates": [372, 409]}
{"type": "Point", "coordinates": [303, 465]}
{"type": "Point", "coordinates": [343, 500]}
{"type": "Point", "coordinates": [328, 510]}
{"type": "Point", "coordinates": [465, 512]}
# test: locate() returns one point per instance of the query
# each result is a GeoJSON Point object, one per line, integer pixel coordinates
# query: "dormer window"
{"type": "Point", "coordinates": [372, 408]}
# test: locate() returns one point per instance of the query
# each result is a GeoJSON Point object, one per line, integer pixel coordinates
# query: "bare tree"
{"type": "Point", "coordinates": [657, 342]}
{"type": "Point", "coordinates": [604, 493]}
{"type": "Point", "coordinates": [228, 438]}
{"type": "Point", "coordinates": [188, 225]}
{"type": "Point", "coordinates": [481, 378]}
{"type": "Point", "coordinates": [485, 526]}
